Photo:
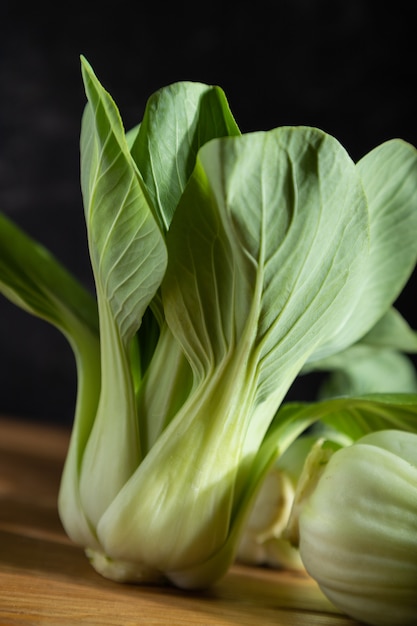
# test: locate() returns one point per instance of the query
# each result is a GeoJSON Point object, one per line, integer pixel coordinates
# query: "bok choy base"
{"type": "Point", "coordinates": [225, 265]}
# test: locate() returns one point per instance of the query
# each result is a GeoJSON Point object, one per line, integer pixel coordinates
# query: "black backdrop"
{"type": "Point", "coordinates": [348, 67]}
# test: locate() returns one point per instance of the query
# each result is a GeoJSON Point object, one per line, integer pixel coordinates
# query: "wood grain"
{"type": "Point", "coordinates": [45, 579]}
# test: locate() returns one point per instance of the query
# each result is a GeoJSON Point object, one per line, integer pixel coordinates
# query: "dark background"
{"type": "Point", "coordinates": [348, 67]}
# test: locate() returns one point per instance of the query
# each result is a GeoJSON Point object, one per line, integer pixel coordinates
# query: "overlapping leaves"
{"type": "Point", "coordinates": [224, 265]}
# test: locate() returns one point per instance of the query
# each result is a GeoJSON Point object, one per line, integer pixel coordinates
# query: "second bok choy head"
{"type": "Point", "coordinates": [223, 263]}
{"type": "Point", "coordinates": [355, 518]}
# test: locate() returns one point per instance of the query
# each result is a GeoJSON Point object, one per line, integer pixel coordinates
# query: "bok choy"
{"type": "Point", "coordinates": [355, 521]}
{"type": "Point", "coordinates": [225, 265]}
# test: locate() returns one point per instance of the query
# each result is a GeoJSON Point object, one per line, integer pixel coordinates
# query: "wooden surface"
{"type": "Point", "coordinates": [45, 579]}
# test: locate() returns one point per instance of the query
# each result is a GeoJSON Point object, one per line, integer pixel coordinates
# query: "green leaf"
{"type": "Point", "coordinates": [34, 280]}
{"type": "Point", "coordinates": [128, 258]}
{"type": "Point", "coordinates": [355, 417]}
{"type": "Point", "coordinates": [266, 269]}
{"type": "Point", "coordinates": [178, 120]}
{"type": "Point", "coordinates": [373, 364]}
{"type": "Point", "coordinates": [131, 136]}
{"type": "Point", "coordinates": [127, 250]}
{"type": "Point", "coordinates": [392, 331]}
{"type": "Point", "coordinates": [363, 369]}
{"type": "Point", "coordinates": [388, 174]}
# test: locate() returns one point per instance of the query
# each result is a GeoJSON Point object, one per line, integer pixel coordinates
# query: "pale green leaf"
{"type": "Point", "coordinates": [32, 278]}
{"type": "Point", "coordinates": [363, 369]}
{"type": "Point", "coordinates": [373, 364]}
{"type": "Point", "coordinates": [35, 280]}
{"type": "Point", "coordinates": [355, 417]}
{"type": "Point", "coordinates": [268, 266]}
{"type": "Point", "coordinates": [127, 250]}
{"type": "Point", "coordinates": [178, 120]}
{"type": "Point", "coordinates": [388, 174]}
{"type": "Point", "coordinates": [392, 331]}
{"type": "Point", "coordinates": [389, 177]}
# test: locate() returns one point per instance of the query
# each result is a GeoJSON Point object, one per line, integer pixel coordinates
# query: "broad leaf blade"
{"type": "Point", "coordinates": [393, 331]}
{"type": "Point", "coordinates": [374, 364]}
{"type": "Point", "coordinates": [34, 280]}
{"type": "Point", "coordinates": [265, 254]}
{"type": "Point", "coordinates": [178, 120]}
{"type": "Point", "coordinates": [388, 174]}
{"type": "Point", "coordinates": [363, 369]}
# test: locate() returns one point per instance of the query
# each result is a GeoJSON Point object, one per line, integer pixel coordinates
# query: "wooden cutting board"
{"type": "Point", "coordinates": [45, 579]}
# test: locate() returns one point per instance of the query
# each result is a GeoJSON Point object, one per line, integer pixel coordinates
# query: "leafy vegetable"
{"type": "Point", "coordinates": [225, 265]}
{"type": "Point", "coordinates": [355, 520]}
